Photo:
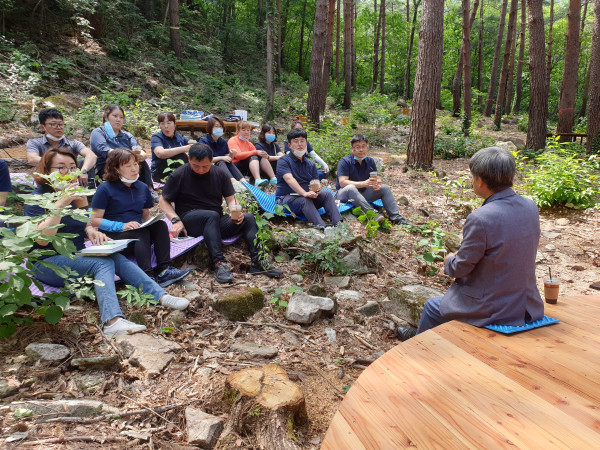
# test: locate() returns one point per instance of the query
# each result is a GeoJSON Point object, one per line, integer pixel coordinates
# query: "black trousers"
{"type": "Point", "coordinates": [231, 169]}
{"type": "Point", "coordinates": [157, 234]}
{"type": "Point", "coordinates": [215, 227]}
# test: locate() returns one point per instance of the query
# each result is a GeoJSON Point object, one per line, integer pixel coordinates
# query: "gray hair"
{"type": "Point", "coordinates": [358, 138]}
{"type": "Point", "coordinates": [495, 166]}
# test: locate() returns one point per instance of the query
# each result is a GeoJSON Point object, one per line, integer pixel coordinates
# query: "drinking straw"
{"type": "Point", "coordinates": [550, 272]}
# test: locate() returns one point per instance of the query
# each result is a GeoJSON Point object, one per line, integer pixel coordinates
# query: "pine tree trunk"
{"type": "Point", "coordinates": [549, 58]}
{"type": "Point", "coordinates": [457, 80]}
{"type": "Point", "coordinates": [427, 85]}
{"type": "Point", "coordinates": [283, 25]}
{"type": "Point", "coordinates": [519, 86]}
{"type": "Point", "coordinates": [347, 53]}
{"type": "Point", "coordinates": [480, 56]}
{"type": "Point", "coordinates": [510, 35]}
{"type": "Point", "coordinates": [337, 46]}
{"type": "Point", "coordinates": [278, 60]}
{"type": "Point", "coordinates": [538, 85]}
{"type": "Point", "coordinates": [382, 59]}
{"type": "Point", "coordinates": [270, 102]}
{"type": "Point", "coordinates": [511, 73]}
{"type": "Point", "coordinates": [317, 58]}
{"type": "Point", "coordinates": [300, 62]}
{"type": "Point", "coordinates": [489, 101]}
{"type": "Point", "coordinates": [466, 58]}
{"type": "Point", "coordinates": [328, 54]}
{"type": "Point", "coordinates": [593, 115]}
{"type": "Point", "coordinates": [376, 52]}
{"type": "Point", "coordinates": [354, 15]}
{"type": "Point", "coordinates": [568, 88]}
{"type": "Point", "coordinates": [586, 83]}
{"type": "Point", "coordinates": [406, 90]}
{"type": "Point", "coordinates": [174, 28]}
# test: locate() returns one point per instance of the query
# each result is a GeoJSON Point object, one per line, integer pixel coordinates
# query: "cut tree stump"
{"type": "Point", "coordinates": [267, 405]}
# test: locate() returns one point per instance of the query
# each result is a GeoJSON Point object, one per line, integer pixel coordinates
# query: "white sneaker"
{"type": "Point", "coordinates": [121, 327]}
{"type": "Point", "coordinates": [179, 303]}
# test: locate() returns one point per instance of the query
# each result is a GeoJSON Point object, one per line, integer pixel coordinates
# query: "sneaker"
{"type": "Point", "coordinates": [121, 327]}
{"type": "Point", "coordinates": [264, 267]}
{"type": "Point", "coordinates": [222, 273]}
{"type": "Point", "coordinates": [379, 218]}
{"type": "Point", "coordinates": [399, 220]}
{"type": "Point", "coordinates": [273, 181]}
{"type": "Point", "coordinates": [170, 275]}
{"type": "Point", "coordinates": [179, 303]}
{"type": "Point", "coordinates": [260, 182]}
{"type": "Point", "coordinates": [405, 333]}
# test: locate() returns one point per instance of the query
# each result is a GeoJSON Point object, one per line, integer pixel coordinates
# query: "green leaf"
{"type": "Point", "coordinates": [7, 330]}
{"type": "Point", "coordinates": [8, 310]}
{"type": "Point", "coordinates": [53, 314]}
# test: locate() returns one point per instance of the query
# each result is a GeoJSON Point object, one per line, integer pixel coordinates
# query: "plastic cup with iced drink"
{"type": "Point", "coordinates": [551, 288]}
{"type": "Point", "coordinates": [235, 211]}
{"type": "Point", "coordinates": [314, 185]}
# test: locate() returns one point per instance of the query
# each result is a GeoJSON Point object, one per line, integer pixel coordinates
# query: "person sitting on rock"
{"type": "Point", "coordinates": [494, 268]}
{"type": "Point", "coordinates": [53, 126]}
{"type": "Point", "coordinates": [5, 184]}
{"type": "Point", "coordinates": [294, 174]}
{"type": "Point", "coordinates": [310, 151]}
{"type": "Point", "coordinates": [355, 182]}
{"type": "Point", "coordinates": [197, 189]}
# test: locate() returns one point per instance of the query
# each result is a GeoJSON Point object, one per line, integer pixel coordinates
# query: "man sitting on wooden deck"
{"type": "Point", "coordinates": [495, 265]}
{"type": "Point", "coordinates": [197, 189]}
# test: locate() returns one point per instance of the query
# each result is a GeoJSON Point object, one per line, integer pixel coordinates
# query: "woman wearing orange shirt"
{"type": "Point", "coordinates": [247, 158]}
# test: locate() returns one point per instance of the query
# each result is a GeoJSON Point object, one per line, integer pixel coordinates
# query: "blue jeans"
{"type": "Point", "coordinates": [431, 316]}
{"type": "Point", "coordinates": [103, 269]}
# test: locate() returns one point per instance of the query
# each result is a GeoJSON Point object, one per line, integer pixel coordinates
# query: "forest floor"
{"type": "Point", "coordinates": [324, 369]}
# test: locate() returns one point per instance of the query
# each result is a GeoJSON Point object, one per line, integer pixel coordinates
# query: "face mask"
{"type": "Point", "coordinates": [299, 153]}
{"type": "Point", "coordinates": [53, 138]}
{"type": "Point", "coordinates": [356, 158]}
{"type": "Point", "coordinates": [242, 138]}
{"type": "Point", "coordinates": [270, 137]}
{"type": "Point", "coordinates": [109, 130]}
{"type": "Point", "coordinates": [218, 132]}
{"type": "Point", "coordinates": [125, 180]}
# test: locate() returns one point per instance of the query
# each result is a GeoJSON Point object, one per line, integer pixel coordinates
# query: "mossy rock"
{"type": "Point", "coordinates": [62, 102]}
{"type": "Point", "coordinates": [241, 305]}
{"type": "Point", "coordinates": [137, 317]}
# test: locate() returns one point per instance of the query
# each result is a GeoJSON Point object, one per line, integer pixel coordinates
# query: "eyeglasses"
{"type": "Point", "coordinates": [65, 170]}
{"type": "Point", "coordinates": [54, 124]}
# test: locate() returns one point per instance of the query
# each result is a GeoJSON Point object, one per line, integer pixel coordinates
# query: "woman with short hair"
{"type": "Point", "coordinates": [167, 145]}
{"type": "Point", "coordinates": [121, 205]}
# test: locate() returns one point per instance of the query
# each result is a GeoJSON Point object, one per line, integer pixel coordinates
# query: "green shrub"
{"type": "Point", "coordinates": [459, 146]}
{"type": "Point", "coordinates": [561, 177]}
{"type": "Point", "coordinates": [332, 143]}
{"type": "Point", "coordinates": [523, 125]}
{"type": "Point", "coordinates": [373, 108]}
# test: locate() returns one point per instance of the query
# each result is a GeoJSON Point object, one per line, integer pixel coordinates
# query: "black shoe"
{"type": "Point", "coordinates": [405, 333]}
{"type": "Point", "coordinates": [264, 267]}
{"type": "Point", "coordinates": [222, 273]}
{"type": "Point", "coordinates": [399, 220]}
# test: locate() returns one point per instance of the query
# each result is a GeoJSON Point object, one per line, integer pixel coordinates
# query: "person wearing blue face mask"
{"type": "Point", "coordinates": [109, 136]}
{"type": "Point", "coordinates": [267, 143]}
{"type": "Point", "coordinates": [221, 156]}
{"type": "Point", "coordinates": [356, 183]}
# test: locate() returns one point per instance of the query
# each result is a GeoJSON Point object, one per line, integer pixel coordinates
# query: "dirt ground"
{"type": "Point", "coordinates": [325, 370]}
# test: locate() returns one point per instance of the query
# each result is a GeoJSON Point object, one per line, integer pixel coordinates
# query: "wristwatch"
{"type": "Point", "coordinates": [83, 171]}
{"type": "Point", "coordinates": [174, 220]}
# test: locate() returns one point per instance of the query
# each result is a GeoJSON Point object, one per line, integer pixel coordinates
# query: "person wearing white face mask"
{"type": "Point", "coordinates": [294, 173]}
{"type": "Point", "coordinates": [53, 126]}
{"type": "Point", "coordinates": [221, 154]}
{"type": "Point", "coordinates": [245, 156]}
{"type": "Point", "coordinates": [268, 148]}
{"type": "Point", "coordinates": [119, 207]}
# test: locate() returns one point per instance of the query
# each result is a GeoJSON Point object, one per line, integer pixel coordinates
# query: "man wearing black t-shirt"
{"type": "Point", "coordinates": [197, 189]}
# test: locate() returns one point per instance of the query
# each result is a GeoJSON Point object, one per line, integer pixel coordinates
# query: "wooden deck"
{"type": "Point", "coordinates": [458, 386]}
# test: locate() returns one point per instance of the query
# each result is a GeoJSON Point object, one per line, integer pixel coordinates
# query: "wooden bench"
{"type": "Point", "coordinates": [569, 137]}
{"type": "Point", "coordinates": [200, 125]}
{"type": "Point", "coordinates": [458, 386]}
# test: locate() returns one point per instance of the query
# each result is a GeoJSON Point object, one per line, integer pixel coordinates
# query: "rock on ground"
{"type": "Point", "coordinates": [347, 295]}
{"type": "Point", "coordinates": [47, 352]}
{"type": "Point", "coordinates": [65, 408]}
{"type": "Point", "coordinates": [240, 306]}
{"type": "Point", "coordinates": [407, 303]}
{"type": "Point", "coordinates": [254, 350]}
{"type": "Point", "coordinates": [96, 362]}
{"type": "Point", "coordinates": [151, 353]}
{"type": "Point", "coordinates": [337, 282]}
{"type": "Point", "coordinates": [304, 308]}
{"type": "Point", "coordinates": [360, 261]}
{"type": "Point", "coordinates": [8, 388]}
{"type": "Point", "coordinates": [369, 309]}
{"type": "Point", "coordinates": [202, 428]}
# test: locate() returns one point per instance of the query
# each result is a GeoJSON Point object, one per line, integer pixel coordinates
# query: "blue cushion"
{"type": "Point", "coordinates": [268, 202]}
{"type": "Point", "coordinates": [528, 326]}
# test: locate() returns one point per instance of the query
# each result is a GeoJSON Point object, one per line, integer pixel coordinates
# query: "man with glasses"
{"type": "Point", "coordinates": [53, 126]}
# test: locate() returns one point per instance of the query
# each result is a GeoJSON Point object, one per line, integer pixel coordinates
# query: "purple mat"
{"type": "Point", "coordinates": [178, 248]}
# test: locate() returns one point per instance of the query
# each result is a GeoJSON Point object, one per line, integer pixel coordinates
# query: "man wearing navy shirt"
{"type": "Point", "coordinates": [5, 185]}
{"type": "Point", "coordinates": [355, 183]}
{"type": "Point", "coordinates": [294, 173]}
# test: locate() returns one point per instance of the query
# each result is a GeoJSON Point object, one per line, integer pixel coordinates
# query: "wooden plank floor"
{"type": "Point", "coordinates": [458, 386]}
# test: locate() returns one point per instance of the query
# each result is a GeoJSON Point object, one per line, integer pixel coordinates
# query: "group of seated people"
{"type": "Point", "coordinates": [494, 268]}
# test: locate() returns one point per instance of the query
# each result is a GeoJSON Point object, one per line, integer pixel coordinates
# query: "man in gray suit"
{"type": "Point", "coordinates": [494, 269]}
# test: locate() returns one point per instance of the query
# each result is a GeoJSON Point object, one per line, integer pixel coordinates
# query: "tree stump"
{"type": "Point", "coordinates": [267, 405]}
